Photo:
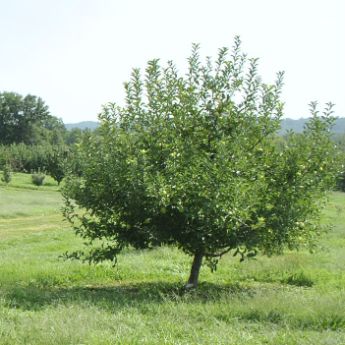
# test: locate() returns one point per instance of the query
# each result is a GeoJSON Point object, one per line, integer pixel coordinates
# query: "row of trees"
{"type": "Point", "coordinates": [55, 160]}
{"type": "Point", "coordinates": [27, 120]}
{"type": "Point", "coordinates": [32, 139]}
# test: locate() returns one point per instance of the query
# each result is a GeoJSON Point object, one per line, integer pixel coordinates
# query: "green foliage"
{"type": "Point", "coordinates": [341, 182]}
{"type": "Point", "coordinates": [27, 120]}
{"type": "Point", "coordinates": [56, 159]}
{"type": "Point", "coordinates": [57, 163]}
{"type": "Point", "coordinates": [194, 162]}
{"type": "Point", "coordinates": [6, 174]}
{"type": "Point", "coordinates": [38, 177]}
{"type": "Point", "coordinates": [23, 157]}
{"type": "Point", "coordinates": [340, 143]}
{"type": "Point", "coordinates": [74, 135]}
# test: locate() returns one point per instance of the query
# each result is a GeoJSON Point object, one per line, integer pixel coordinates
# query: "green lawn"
{"type": "Point", "coordinates": [298, 298]}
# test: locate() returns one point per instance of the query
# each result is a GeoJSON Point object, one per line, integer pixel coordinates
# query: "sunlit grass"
{"type": "Point", "coordinates": [24, 181]}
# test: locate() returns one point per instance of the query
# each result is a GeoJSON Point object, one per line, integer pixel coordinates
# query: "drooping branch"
{"type": "Point", "coordinates": [219, 254]}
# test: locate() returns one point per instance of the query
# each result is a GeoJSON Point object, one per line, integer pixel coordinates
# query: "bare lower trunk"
{"type": "Point", "coordinates": [194, 273]}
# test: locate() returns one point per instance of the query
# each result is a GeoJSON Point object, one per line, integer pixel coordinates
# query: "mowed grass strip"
{"type": "Point", "coordinates": [24, 182]}
{"type": "Point", "coordinates": [298, 298]}
{"type": "Point", "coordinates": [22, 226]}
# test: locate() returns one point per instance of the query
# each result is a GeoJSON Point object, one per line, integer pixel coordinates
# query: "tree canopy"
{"type": "Point", "coordinates": [27, 120]}
{"type": "Point", "coordinates": [193, 161]}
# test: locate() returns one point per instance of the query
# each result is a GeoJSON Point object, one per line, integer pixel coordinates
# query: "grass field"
{"type": "Point", "coordinates": [298, 298]}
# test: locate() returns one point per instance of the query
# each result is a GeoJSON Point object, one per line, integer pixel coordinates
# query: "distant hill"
{"type": "Point", "coordinates": [297, 125]}
{"type": "Point", "coordinates": [82, 125]}
{"type": "Point", "coordinates": [287, 124]}
{"type": "Point", "coordinates": [291, 124]}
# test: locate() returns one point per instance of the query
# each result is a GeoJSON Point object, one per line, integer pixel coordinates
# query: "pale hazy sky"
{"type": "Point", "coordinates": [76, 54]}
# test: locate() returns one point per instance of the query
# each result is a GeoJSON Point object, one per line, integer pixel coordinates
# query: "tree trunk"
{"type": "Point", "coordinates": [194, 273]}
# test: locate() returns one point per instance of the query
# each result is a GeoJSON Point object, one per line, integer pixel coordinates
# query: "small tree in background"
{"type": "Point", "coordinates": [57, 163]}
{"type": "Point", "coordinates": [6, 173]}
{"type": "Point", "coordinates": [192, 161]}
{"type": "Point", "coordinates": [37, 177]}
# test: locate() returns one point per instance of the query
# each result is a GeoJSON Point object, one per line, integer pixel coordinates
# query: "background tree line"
{"type": "Point", "coordinates": [32, 139]}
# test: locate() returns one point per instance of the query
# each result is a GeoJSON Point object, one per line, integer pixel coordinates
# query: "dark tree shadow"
{"type": "Point", "coordinates": [121, 296]}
